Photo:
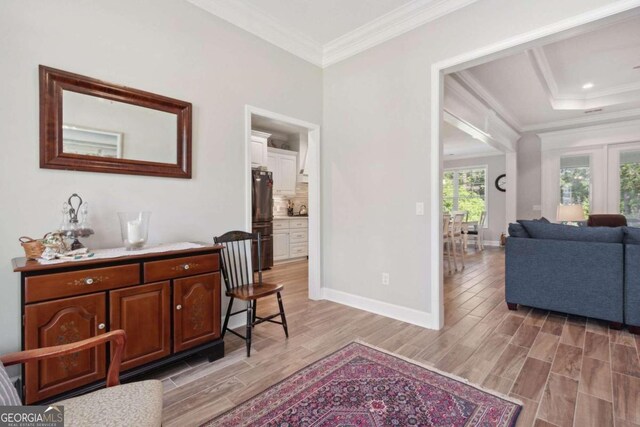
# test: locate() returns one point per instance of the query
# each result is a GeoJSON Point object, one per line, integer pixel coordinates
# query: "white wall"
{"type": "Point", "coordinates": [376, 144]}
{"type": "Point", "coordinates": [496, 166]}
{"type": "Point", "coordinates": [529, 176]}
{"type": "Point", "coordinates": [168, 47]}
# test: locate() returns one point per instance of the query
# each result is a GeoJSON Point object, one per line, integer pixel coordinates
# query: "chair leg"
{"type": "Point", "coordinates": [255, 310]}
{"type": "Point", "coordinates": [226, 318]}
{"type": "Point", "coordinates": [282, 316]}
{"type": "Point", "coordinates": [452, 241]}
{"type": "Point", "coordinates": [448, 255]}
{"type": "Point", "coordinates": [249, 326]}
{"type": "Point", "coordinates": [462, 251]}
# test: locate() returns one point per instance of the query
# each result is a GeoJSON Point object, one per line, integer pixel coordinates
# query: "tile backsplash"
{"type": "Point", "coordinates": [280, 203]}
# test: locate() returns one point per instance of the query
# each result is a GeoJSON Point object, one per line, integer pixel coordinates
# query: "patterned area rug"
{"type": "Point", "coordinates": [362, 386]}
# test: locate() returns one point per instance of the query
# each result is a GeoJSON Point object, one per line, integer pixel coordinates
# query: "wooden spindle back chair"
{"type": "Point", "coordinates": [240, 283]}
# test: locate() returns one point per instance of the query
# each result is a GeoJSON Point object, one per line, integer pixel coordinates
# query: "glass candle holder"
{"type": "Point", "coordinates": [134, 227]}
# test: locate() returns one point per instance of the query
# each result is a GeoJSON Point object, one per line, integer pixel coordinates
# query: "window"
{"type": "Point", "coordinates": [575, 181]}
{"type": "Point", "coordinates": [630, 186]}
{"type": "Point", "coordinates": [465, 190]}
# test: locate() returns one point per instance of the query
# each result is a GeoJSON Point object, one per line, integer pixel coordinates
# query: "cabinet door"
{"type": "Point", "coordinates": [288, 174]}
{"type": "Point", "coordinates": [196, 310]}
{"type": "Point", "coordinates": [143, 312]}
{"type": "Point", "coordinates": [257, 153]}
{"type": "Point", "coordinates": [280, 246]}
{"type": "Point", "coordinates": [61, 322]}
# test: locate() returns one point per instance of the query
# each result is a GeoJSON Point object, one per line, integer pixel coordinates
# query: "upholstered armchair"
{"type": "Point", "coordinates": [133, 404]}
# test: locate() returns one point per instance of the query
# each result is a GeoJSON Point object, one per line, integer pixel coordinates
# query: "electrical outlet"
{"type": "Point", "coordinates": [419, 208]}
{"type": "Point", "coordinates": [385, 278]}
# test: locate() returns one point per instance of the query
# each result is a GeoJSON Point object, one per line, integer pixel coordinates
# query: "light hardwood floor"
{"type": "Point", "coordinates": [568, 371]}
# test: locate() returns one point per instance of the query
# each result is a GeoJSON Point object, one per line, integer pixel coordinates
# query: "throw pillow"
{"type": "Point", "coordinates": [517, 230]}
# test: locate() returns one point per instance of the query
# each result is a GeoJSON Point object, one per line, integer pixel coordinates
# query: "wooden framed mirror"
{"type": "Point", "coordinates": [91, 125]}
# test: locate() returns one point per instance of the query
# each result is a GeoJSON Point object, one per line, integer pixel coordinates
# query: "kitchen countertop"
{"type": "Point", "coordinates": [291, 217]}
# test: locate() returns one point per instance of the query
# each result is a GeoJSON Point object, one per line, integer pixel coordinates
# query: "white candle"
{"type": "Point", "coordinates": [134, 231]}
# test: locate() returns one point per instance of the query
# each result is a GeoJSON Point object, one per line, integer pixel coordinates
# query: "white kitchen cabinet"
{"type": "Point", "coordinates": [290, 238]}
{"type": "Point", "coordinates": [284, 166]}
{"type": "Point", "coordinates": [280, 245]}
{"type": "Point", "coordinates": [259, 148]}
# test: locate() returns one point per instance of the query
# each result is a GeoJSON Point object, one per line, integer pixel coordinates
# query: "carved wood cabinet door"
{"type": "Point", "coordinates": [196, 310]}
{"type": "Point", "coordinates": [58, 322]}
{"type": "Point", "coordinates": [144, 313]}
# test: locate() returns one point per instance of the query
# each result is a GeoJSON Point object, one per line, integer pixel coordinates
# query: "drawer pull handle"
{"type": "Point", "coordinates": [185, 267]}
{"type": "Point", "coordinates": [178, 307]}
{"type": "Point", "coordinates": [101, 326]}
{"type": "Point", "coordinates": [88, 281]}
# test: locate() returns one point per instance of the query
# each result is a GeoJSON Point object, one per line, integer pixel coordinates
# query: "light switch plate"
{"type": "Point", "coordinates": [419, 208]}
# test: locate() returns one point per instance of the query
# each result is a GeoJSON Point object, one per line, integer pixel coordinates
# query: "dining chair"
{"type": "Point", "coordinates": [446, 238]}
{"type": "Point", "coordinates": [239, 281]}
{"type": "Point", "coordinates": [457, 238]}
{"type": "Point", "coordinates": [477, 232]}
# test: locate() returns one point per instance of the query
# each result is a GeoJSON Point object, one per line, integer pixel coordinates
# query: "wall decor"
{"type": "Point", "coordinates": [91, 125]}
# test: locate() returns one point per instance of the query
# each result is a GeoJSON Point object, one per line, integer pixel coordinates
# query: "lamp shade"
{"type": "Point", "coordinates": [570, 213]}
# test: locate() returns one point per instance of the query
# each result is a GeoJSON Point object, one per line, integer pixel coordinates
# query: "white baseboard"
{"type": "Point", "coordinates": [492, 243]}
{"type": "Point", "coordinates": [409, 315]}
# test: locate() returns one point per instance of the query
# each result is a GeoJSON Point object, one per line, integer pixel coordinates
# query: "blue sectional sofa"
{"type": "Point", "coordinates": [586, 271]}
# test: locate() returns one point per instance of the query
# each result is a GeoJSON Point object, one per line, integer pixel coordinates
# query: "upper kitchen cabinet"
{"type": "Point", "coordinates": [259, 142]}
{"type": "Point", "coordinates": [284, 166]}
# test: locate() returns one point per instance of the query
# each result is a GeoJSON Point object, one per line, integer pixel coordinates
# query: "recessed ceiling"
{"type": "Point", "coordinates": [543, 88]}
{"type": "Point", "coordinates": [457, 144]}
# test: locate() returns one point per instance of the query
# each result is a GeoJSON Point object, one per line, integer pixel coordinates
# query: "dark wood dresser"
{"type": "Point", "coordinates": [167, 302]}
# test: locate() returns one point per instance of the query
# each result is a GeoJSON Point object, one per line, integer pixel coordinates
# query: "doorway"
{"type": "Point", "coordinates": [562, 30]}
{"type": "Point", "coordinates": [290, 153]}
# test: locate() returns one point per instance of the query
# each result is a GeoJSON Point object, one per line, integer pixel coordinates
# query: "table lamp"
{"type": "Point", "coordinates": [570, 213]}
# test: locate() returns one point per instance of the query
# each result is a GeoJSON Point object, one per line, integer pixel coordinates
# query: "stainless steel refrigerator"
{"type": "Point", "coordinates": [262, 216]}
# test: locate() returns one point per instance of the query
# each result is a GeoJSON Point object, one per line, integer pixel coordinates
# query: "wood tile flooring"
{"type": "Point", "coordinates": [568, 371]}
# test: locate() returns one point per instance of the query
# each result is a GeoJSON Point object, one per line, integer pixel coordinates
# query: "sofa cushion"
{"type": "Point", "coordinates": [517, 230]}
{"type": "Point", "coordinates": [134, 404]}
{"type": "Point", "coordinates": [632, 235]}
{"type": "Point", "coordinates": [540, 230]}
{"type": "Point", "coordinates": [8, 393]}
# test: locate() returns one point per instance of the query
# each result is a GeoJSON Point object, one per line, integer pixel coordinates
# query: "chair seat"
{"type": "Point", "coordinates": [251, 292]}
{"type": "Point", "coordinates": [473, 232]}
{"type": "Point", "coordinates": [134, 404]}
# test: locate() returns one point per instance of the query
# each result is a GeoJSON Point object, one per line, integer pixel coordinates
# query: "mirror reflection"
{"type": "Point", "coordinates": [101, 127]}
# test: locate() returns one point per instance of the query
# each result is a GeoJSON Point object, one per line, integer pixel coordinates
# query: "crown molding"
{"type": "Point", "coordinates": [609, 133]}
{"type": "Point", "coordinates": [399, 21]}
{"type": "Point", "coordinates": [246, 16]}
{"type": "Point", "coordinates": [586, 120]}
{"type": "Point", "coordinates": [405, 18]}
{"type": "Point", "coordinates": [468, 79]}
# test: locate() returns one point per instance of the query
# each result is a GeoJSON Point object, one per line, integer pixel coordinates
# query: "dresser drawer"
{"type": "Point", "coordinates": [280, 224]}
{"type": "Point", "coordinates": [180, 267]}
{"type": "Point", "coordinates": [299, 223]}
{"type": "Point", "coordinates": [298, 250]}
{"type": "Point", "coordinates": [57, 285]}
{"type": "Point", "coordinates": [298, 236]}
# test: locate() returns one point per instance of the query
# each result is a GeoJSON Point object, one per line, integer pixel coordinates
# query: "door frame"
{"type": "Point", "coordinates": [313, 167]}
{"type": "Point", "coordinates": [562, 29]}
